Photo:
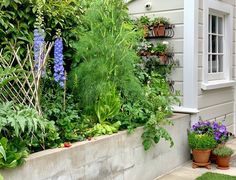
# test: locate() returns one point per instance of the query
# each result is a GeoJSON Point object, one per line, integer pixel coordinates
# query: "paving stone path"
{"type": "Point", "coordinates": [186, 172]}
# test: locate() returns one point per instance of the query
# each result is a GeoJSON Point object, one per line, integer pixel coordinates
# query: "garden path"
{"type": "Point", "coordinates": [186, 172]}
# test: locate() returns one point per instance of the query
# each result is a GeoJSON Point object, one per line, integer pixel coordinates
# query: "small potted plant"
{"type": "Point", "coordinates": [144, 21]}
{"type": "Point", "coordinates": [217, 129]}
{"type": "Point", "coordinates": [161, 51]}
{"type": "Point", "coordinates": [145, 48]}
{"type": "Point", "coordinates": [223, 154]}
{"type": "Point", "coordinates": [160, 24]}
{"type": "Point", "coordinates": [201, 145]}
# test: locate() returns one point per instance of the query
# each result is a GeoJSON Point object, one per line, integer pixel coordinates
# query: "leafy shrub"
{"type": "Point", "coordinates": [110, 58]}
{"type": "Point", "coordinates": [17, 120]}
{"type": "Point", "coordinates": [201, 141]}
{"type": "Point", "coordinates": [106, 63]}
{"type": "Point", "coordinates": [61, 108]}
{"type": "Point", "coordinates": [223, 151]}
{"type": "Point", "coordinates": [24, 125]}
{"type": "Point", "coordinates": [12, 154]}
{"type": "Point", "coordinates": [17, 19]}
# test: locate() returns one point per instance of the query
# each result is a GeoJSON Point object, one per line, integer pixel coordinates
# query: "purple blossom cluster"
{"type": "Point", "coordinates": [59, 74]}
{"type": "Point", "coordinates": [38, 47]}
{"type": "Point", "coordinates": [215, 129]}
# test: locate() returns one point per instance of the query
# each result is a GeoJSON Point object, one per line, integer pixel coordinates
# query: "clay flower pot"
{"type": "Point", "coordinates": [159, 30]}
{"type": "Point", "coordinates": [201, 156]}
{"type": "Point", "coordinates": [223, 162]}
{"type": "Point", "coordinates": [146, 30]}
{"type": "Point", "coordinates": [163, 58]}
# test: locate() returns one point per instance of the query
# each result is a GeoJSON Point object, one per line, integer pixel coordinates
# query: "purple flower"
{"type": "Point", "coordinates": [59, 75]}
{"type": "Point", "coordinates": [38, 47]}
{"type": "Point", "coordinates": [222, 129]}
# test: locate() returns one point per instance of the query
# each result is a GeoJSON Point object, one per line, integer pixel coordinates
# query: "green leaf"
{"type": "Point", "coordinates": [3, 152]}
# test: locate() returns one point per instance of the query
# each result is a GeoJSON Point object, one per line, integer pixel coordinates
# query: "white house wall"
{"type": "Point", "coordinates": [218, 103]}
{"type": "Point", "coordinates": [212, 104]}
{"type": "Point", "coordinates": [174, 10]}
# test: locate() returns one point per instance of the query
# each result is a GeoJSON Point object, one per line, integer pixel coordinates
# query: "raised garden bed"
{"type": "Point", "coordinates": [108, 157]}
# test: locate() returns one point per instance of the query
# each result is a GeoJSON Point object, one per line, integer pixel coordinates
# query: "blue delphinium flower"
{"type": "Point", "coordinates": [59, 75]}
{"type": "Point", "coordinates": [38, 47]}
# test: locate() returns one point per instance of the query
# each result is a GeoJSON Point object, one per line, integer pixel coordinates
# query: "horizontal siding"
{"type": "Point", "coordinates": [138, 6]}
{"type": "Point", "coordinates": [214, 104]}
{"type": "Point", "coordinates": [217, 111]}
{"type": "Point", "coordinates": [208, 99]}
{"type": "Point", "coordinates": [177, 75]}
{"type": "Point", "coordinates": [174, 10]}
{"type": "Point", "coordinates": [178, 86]}
{"type": "Point", "coordinates": [230, 128]}
{"type": "Point", "coordinates": [227, 120]}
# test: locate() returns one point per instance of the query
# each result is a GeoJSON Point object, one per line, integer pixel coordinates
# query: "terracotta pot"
{"type": "Point", "coordinates": [160, 30]}
{"type": "Point", "coordinates": [163, 58]}
{"type": "Point", "coordinates": [201, 156]}
{"type": "Point", "coordinates": [146, 30]}
{"type": "Point", "coordinates": [223, 162]}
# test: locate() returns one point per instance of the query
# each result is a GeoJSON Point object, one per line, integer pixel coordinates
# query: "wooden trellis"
{"type": "Point", "coordinates": [23, 87]}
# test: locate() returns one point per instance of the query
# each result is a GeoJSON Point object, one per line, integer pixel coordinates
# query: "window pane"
{"type": "Point", "coordinates": [220, 63]}
{"type": "Point", "coordinates": [209, 63]}
{"type": "Point", "coordinates": [214, 64]}
{"type": "Point", "coordinates": [213, 25]}
{"type": "Point", "coordinates": [220, 44]}
{"type": "Point", "coordinates": [213, 44]}
{"type": "Point", "coordinates": [220, 25]}
{"type": "Point", "coordinates": [209, 23]}
{"type": "Point", "coordinates": [209, 43]}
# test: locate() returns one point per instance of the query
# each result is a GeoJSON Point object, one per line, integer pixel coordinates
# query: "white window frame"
{"type": "Point", "coordinates": [227, 10]}
{"type": "Point", "coordinates": [216, 75]}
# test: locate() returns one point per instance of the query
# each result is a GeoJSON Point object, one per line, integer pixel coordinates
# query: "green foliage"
{"type": "Point", "coordinates": [105, 54]}
{"type": "Point", "coordinates": [160, 48]}
{"type": "Point", "coordinates": [15, 154]}
{"type": "Point", "coordinates": [41, 141]}
{"type": "Point", "coordinates": [106, 59]}
{"type": "Point", "coordinates": [6, 75]}
{"type": "Point", "coordinates": [201, 141]}
{"type": "Point", "coordinates": [19, 120]}
{"type": "Point", "coordinates": [144, 20]}
{"type": "Point", "coordinates": [24, 125]}
{"type": "Point", "coordinates": [108, 105]}
{"type": "Point", "coordinates": [63, 111]}
{"type": "Point", "coordinates": [17, 19]}
{"type": "Point", "coordinates": [153, 132]}
{"type": "Point", "coordinates": [215, 176]}
{"type": "Point", "coordinates": [161, 20]}
{"type": "Point", "coordinates": [102, 129]}
{"type": "Point", "coordinates": [223, 151]}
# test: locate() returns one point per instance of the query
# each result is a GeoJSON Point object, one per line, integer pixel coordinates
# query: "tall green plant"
{"type": "Point", "coordinates": [105, 54]}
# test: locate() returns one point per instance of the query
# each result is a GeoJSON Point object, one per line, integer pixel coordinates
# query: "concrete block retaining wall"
{"type": "Point", "coordinates": [116, 157]}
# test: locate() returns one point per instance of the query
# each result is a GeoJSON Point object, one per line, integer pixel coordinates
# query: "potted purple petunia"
{"type": "Point", "coordinates": [214, 129]}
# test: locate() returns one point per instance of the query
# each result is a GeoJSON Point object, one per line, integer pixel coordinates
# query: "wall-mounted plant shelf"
{"type": "Point", "coordinates": [159, 31]}
{"type": "Point", "coordinates": [162, 59]}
